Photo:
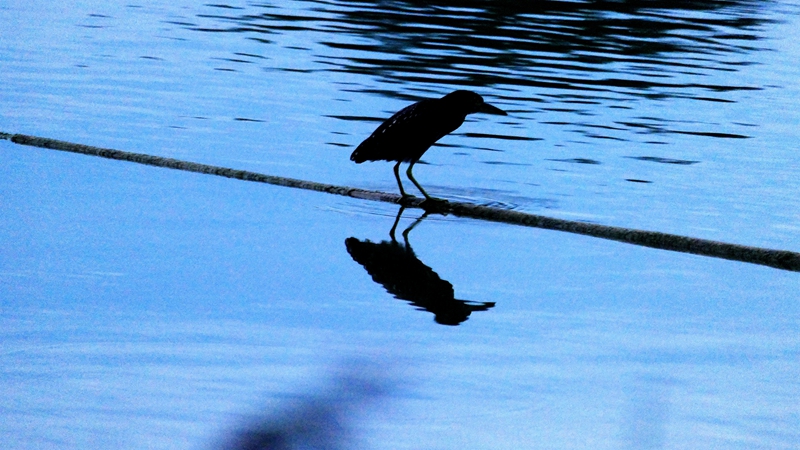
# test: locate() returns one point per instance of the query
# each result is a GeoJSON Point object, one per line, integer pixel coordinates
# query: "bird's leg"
{"type": "Point", "coordinates": [399, 184]}
{"type": "Point", "coordinates": [427, 197]}
{"type": "Point", "coordinates": [411, 177]}
{"type": "Point", "coordinates": [408, 230]}
{"type": "Point", "coordinates": [396, 221]}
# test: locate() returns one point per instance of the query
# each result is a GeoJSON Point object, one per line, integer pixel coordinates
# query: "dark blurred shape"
{"type": "Point", "coordinates": [648, 413]}
{"type": "Point", "coordinates": [402, 274]}
{"type": "Point", "coordinates": [319, 421]}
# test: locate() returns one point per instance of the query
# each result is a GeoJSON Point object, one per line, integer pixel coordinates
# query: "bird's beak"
{"type": "Point", "coordinates": [489, 109]}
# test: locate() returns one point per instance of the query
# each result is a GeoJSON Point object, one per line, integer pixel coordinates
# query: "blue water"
{"type": "Point", "coordinates": [149, 308]}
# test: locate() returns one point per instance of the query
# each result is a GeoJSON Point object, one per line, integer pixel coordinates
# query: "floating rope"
{"type": "Point", "coordinates": [779, 259]}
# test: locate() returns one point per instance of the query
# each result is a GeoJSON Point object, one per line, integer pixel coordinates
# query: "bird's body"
{"type": "Point", "coordinates": [410, 132]}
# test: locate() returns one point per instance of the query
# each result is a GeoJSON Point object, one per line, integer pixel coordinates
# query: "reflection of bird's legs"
{"type": "Point", "coordinates": [399, 184]}
{"type": "Point", "coordinates": [396, 221]}
{"type": "Point", "coordinates": [408, 230]}
{"type": "Point", "coordinates": [411, 177]}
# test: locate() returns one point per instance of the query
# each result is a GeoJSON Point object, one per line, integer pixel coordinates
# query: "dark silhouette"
{"type": "Point", "coordinates": [402, 274]}
{"type": "Point", "coordinates": [318, 421]}
{"type": "Point", "coordinates": [410, 132]}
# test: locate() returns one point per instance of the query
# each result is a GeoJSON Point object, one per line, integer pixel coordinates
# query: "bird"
{"type": "Point", "coordinates": [410, 132]}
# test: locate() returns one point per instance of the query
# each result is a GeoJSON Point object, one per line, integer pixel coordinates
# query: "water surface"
{"type": "Point", "coordinates": [148, 308]}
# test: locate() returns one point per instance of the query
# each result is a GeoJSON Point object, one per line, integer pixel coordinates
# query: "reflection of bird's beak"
{"type": "Point", "coordinates": [489, 109]}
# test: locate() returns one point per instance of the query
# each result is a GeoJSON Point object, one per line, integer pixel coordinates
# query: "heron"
{"type": "Point", "coordinates": [410, 132]}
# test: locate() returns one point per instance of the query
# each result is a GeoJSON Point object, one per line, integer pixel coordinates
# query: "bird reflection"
{"type": "Point", "coordinates": [402, 274]}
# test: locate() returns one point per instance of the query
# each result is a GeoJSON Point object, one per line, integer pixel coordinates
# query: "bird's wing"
{"type": "Point", "coordinates": [407, 116]}
{"type": "Point", "coordinates": [405, 136]}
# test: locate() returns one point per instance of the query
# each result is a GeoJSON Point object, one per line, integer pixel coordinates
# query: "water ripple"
{"type": "Point", "coordinates": [579, 57]}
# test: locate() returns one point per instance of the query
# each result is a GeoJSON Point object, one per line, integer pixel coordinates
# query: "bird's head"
{"type": "Point", "coordinates": [470, 102]}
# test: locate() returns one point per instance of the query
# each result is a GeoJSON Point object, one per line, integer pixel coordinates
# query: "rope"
{"type": "Point", "coordinates": [779, 259]}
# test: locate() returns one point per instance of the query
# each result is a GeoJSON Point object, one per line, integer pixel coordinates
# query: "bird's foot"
{"type": "Point", "coordinates": [406, 199]}
{"type": "Point", "coordinates": [435, 205]}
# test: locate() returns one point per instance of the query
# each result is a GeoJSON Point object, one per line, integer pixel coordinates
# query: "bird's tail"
{"type": "Point", "coordinates": [361, 153]}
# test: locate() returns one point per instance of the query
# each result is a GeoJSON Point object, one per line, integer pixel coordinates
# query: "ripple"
{"type": "Point", "coordinates": [500, 136]}
{"type": "Point", "coordinates": [577, 160]}
{"type": "Point", "coordinates": [663, 160]}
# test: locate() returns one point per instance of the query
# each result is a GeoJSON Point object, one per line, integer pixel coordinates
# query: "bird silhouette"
{"type": "Point", "coordinates": [396, 267]}
{"type": "Point", "coordinates": [410, 132]}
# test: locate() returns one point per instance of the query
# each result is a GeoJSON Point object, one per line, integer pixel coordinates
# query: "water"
{"type": "Point", "coordinates": [147, 308]}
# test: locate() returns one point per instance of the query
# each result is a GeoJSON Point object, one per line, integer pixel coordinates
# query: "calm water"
{"type": "Point", "coordinates": [148, 308]}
